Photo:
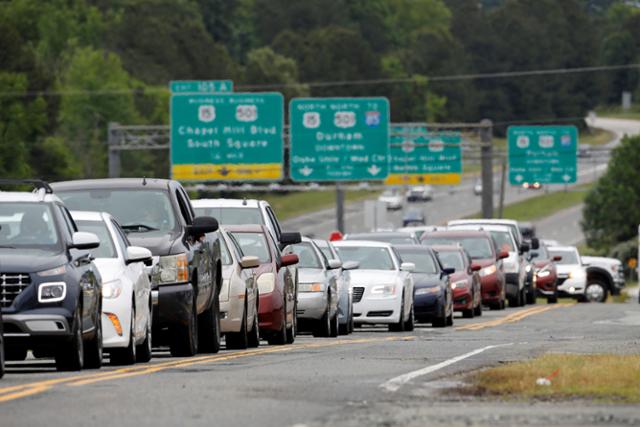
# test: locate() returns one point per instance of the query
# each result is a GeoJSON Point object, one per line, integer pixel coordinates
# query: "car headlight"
{"type": "Point", "coordinates": [544, 272]}
{"type": "Point", "coordinates": [577, 274]}
{"type": "Point", "coordinates": [487, 271]}
{"type": "Point", "coordinates": [52, 292]}
{"type": "Point", "coordinates": [384, 290]}
{"type": "Point", "coordinates": [171, 269]}
{"type": "Point", "coordinates": [266, 283]}
{"type": "Point", "coordinates": [310, 287]}
{"type": "Point", "coordinates": [112, 290]}
{"type": "Point", "coordinates": [528, 268]}
{"type": "Point", "coordinates": [510, 267]}
{"type": "Point", "coordinates": [53, 272]}
{"type": "Point", "coordinates": [459, 284]}
{"type": "Point", "coordinates": [432, 290]}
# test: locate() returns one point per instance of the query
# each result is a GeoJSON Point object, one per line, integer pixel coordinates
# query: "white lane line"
{"type": "Point", "coordinates": [394, 384]}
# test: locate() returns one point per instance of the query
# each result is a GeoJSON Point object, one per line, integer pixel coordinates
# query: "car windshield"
{"type": "Point", "coordinates": [540, 253]}
{"type": "Point", "coordinates": [568, 257]}
{"type": "Point", "coordinates": [232, 216]}
{"type": "Point", "coordinates": [477, 247]}
{"type": "Point", "coordinates": [422, 259]}
{"type": "Point", "coordinates": [326, 251]}
{"type": "Point", "coordinates": [503, 240]}
{"type": "Point", "coordinates": [28, 226]}
{"type": "Point", "coordinates": [394, 240]}
{"type": "Point", "coordinates": [451, 259]}
{"type": "Point", "coordinates": [306, 255]}
{"type": "Point", "coordinates": [369, 258]}
{"type": "Point", "coordinates": [107, 249]}
{"type": "Point", "coordinates": [139, 211]}
{"type": "Point", "coordinates": [253, 244]}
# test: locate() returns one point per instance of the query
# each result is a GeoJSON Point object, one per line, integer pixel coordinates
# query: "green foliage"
{"type": "Point", "coordinates": [610, 215]}
{"type": "Point", "coordinates": [264, 66]}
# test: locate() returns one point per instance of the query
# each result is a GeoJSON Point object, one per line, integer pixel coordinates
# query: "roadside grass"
{"type": "Point", "coordinates": [601, 377]}
{"type": "Point", "coordinates": [596, 136]}
{"type": "Point", "coordinates": [298, 203]}
{"type": "Point", "coordinates": [618, 113]}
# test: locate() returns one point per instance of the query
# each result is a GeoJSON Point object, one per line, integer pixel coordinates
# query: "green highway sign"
{"type": "Point", "coordinates": [339, 139]}
{"type": "Point", "coordinates": [232, 137]}
{"type": "Point", "coordinates": [418, 156]}
{"type": "Point", "coordinates": [543, 154]}
{"type": "Point", "coordinates": [201, 86]}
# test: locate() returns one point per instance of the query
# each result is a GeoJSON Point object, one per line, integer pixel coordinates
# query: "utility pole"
{"type": "Point", "coordinates": [340, 208]}
{"type": "Point", "coordinates": [114, 154]}
{"type": "Point", "coordinates": [486, 139]}
{"type": "Point", "coordinates": [503, 184]}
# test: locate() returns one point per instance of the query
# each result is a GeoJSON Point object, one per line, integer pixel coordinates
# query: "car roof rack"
{"type": "Point", "coordinates": [36, 183]}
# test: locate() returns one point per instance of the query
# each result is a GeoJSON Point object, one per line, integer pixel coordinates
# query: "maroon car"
{"type": "Point", "coordinates": [480, 247]}
{"type": "Point", "coordinates": [545, 275]}
{"type": "Point", "coordinates": [465, 282]}
{"type": "Point", "coordinates": [276, 284]}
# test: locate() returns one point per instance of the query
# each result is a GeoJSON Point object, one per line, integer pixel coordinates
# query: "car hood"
{"type": "Point", "coordinates": [422, 280]}
{"type": "Point", "coordinates": [158, 245]}
{"type": "Point", "coordinates": [567, 268]}
{"type": "Point", "coordinates": [459, 275]}
{"type": "Point", "coordinates": [29, 260]}
{"type": "Point", "coordinates": [110, 268]}
{"type": "Point", "coordinates": [373, 277]}
{"type": "Point", "coordinates": [484, 262]}
{"type": "Point", "coordinates": [311, 275]}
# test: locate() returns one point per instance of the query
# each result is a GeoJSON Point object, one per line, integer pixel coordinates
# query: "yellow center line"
{"type": "Point", "coordinates": [512, 318]}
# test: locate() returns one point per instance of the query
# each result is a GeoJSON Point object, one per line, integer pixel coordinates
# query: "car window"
{"type": "Point", "coordinates": [422, 259]}
{"type": "Point", "coordinates": [139, 211]}
{"type": "Point", "coordinates": [121, 239]}
{"type": "Point", "coordinates": [107, 248]}
{"type": "Point", "coordinates": [568, 257]}
{"type": "Point", "coordinates": [28, 226]}
{"type": "Point", "coordinates": [225, 256]}
{"type": "Point", "coordinates": [540, 253]}
{"type": "Point", "coordinates": [69, 226]}
{"type": "Point", "coordinates": [253, 244]}
{"type": "Point", "coordinates": [369, 258]}
{"type": "Point", "coordinates": [503, 241]}
{"type": "Point", "coordinates": [451, 259]}
{"type": "Point", "coordinates": [232, 216]}
{"type": "Point", "coordinates": [274, 220]}
{"type": "Point", "coordinates": [306, 254]}
{"type": "Point", "coordinates": [477, 247]}
{"type": "Point", "coordinates": [184, 209]}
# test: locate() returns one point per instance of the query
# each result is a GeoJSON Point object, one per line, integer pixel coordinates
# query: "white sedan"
{"type": "Point", "coordinates": [382, 286]}
{"type": "Point", "coordinates": [392, 199]}
{"type": "Point", "coordinates": [126, 290]}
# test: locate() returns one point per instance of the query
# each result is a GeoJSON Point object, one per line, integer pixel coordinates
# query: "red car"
{"type": "Point", "coordinates": [480, 247]}
{"type": "Point", "coordinates": [276, 284]}
{"type": "Point", "coordinates": [545, 275]}
{"type": "Point", "coordinates": [465, 282]}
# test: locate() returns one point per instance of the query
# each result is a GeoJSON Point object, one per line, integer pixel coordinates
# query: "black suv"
{"type": "Point", "coordinates": [186, 273]}
{"type": "Point", "coordinates": [51, 292]}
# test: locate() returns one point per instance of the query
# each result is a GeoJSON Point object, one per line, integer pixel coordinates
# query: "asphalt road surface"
{"type": "Point", "coordinates": [372, 377]}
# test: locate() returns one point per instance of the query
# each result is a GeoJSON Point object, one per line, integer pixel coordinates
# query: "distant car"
{"type": "Point", "coordinates": [477, 187]}
{"type": "Point", "coordinates": [413, 217]}
{"type": "Point", "coordinates": [382, 285]}
{"type": "Point", "coordinates": [531, 185]}
{"type": "Point", "coordinates": [345, 291]}
{"type": "Point", "coordinates": [465, 280]}
{"type": "Point", "coordinates": [238, 296]}
{"type": "Point", "coordinates": [572, 274]}
{"type": "Point", "coordinates": [432, 292]}
{"type": "Point", "coordinates": [318, 296]}
{"type": "Point", "coordinates": [606, 275]}
{"type": "Point", "coordinates": [392, 199]}
{"type": "Point", "coordinates": [545, 273]}
{"type": "Point", "coordinates": [584, 150]}
{"type": "Point", "coordinates": [421, 193]}
{"type": "Point", "coordinates": [276, 284]}
{"type": "Point", "coordinates": [418, 230]}
{"type": "Point", "coordinates": [126, 290]}
{"type": "Point", "coordinates": [527, 229]}
{"type": "Point", "coordinates": [392, 237]}
{"type": "Point", "coordinates": [480, 247]}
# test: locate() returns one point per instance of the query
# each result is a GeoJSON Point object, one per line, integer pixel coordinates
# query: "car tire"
{"type": "Point", "coordinates": [553, 299]}
{"type": "Point", "coordinates": [516, 301]}
{"type": "Point", "coordinates": [184, 338]}
{"type": "Point", "coordinates": [335, 326]}
{"type": "Point", "coordinates": [239, 340]}
{"type": "Point", "coordinates": [468, 314]}
{"type": "Point", "coordinates": [280, 337]}
{"type": "Point", "coordinates": [144, 350]}
{"type": "Point", "coordinates": [293, 330]}
{"type": "Point", "coordinates": [596, 291]}
{"type": "Point", "coordinates": [398, 327]}
{"type": "Point", "coordinates": [71, 357]}
{"type": "Point", "coordinates": [1, 353]}
{"type": "Point", "coordinates": [477, 311]}
{"type": "Point", "coordinates": [323, 328]}
{"type": "Point", "coordinates": [126, 356]}
{"type": "Point", "coordinates": [450, 318]}
{"type": "Point", "coordinates": [532, 297]}
{"type": "Point", "coordinates": [93, 349]}
{"type": "Point", "coordinates": [254, 334]}
{"type": "Point", "coordinates": [209, 338]}
{"type": "Point", "coordinates": [343, 329]}
{"type": "Point", "coordinates": [409, 324]}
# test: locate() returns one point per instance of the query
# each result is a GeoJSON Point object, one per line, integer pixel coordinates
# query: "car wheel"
{"type": "Point", "coordinates": [71, 357]}
{"type": "Point", "coordinates": [254, 335]}
{"type": "Point", "coordinates": [553, 299]}
{"type": "Point", "coordinates": [93, 351]}
{"type": "Point", "coordinates": [468, 314]}
{"type": "Point", "coordinates": [184, 338]}
{"type": "Point", "coordinates": [126, 356]}
{"type": "Point", "coordinates": [239, 340]}
{"type": "Point", "coordinates": [334, 325]}
{"type": "Point", "coordinates": [323, 328]}
{"type": "Point", "coordinates": [293, 330]}
{"type": "Point", "coordinates": [477, 311]}
{"type": "Point", "coordinates": [1, 353]}
{"type": "Point", "coordinates": [516, 301]}
{"type": "Point", "coordinates": [209, 328]}
{"type": "Point", "coordinates": [398, 327]}
{"type": "Point", "coordinates": [532, 297]}
{"type": "Point", "coordinates": [596, 292]}
{"type": "Point", "coordinates": [440, 321]}
{"type": "Point", "coordinates": [144, 350]}
{"type": "Point", "coordinates": [343, 329]}
{"type": "Point", "coordinates": [280, 337]}
{"type": "Point", "coordinates": [450, 318]}
{"type": "Point", "coordinates": [409, 324]}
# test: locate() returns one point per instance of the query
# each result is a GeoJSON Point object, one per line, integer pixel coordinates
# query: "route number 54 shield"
{"type": "Point", "coordinates": [207, 113]}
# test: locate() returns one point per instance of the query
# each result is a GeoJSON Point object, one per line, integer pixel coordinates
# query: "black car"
{"type": "Point", "coordinates": [51, 291]}
{"type": "Point", "coordinates": [186, 274]}
{"type": "Point", "coordinates": [432, 294]}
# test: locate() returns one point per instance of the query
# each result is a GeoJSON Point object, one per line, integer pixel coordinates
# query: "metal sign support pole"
{"type": "Point", "coordinates": [340, 208]}
{"type": "Point", "coordinates": [486, 138]}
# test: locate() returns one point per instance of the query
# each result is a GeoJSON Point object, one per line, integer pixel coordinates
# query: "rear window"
{"type": "Point", "coordinates": [503, 241]}
{"type": "Point", "coordinates": [476, 247]}
{"type": "Point", "coordinates": [306, 254]}
{"type": "Point", "coordinates": [451, 259]}
{"type": "Point", "coordinates": [568, 257]}
{"type": "Point", "coordinates": [369, 258]}
{"type": "Point", "coordinates": [107, 249]}
{"type": "Point", "coordinates": [233, 216]}
{"type": "Point", "coordinates": [422, 259]}
{"type": "Point", "coordinates": [253, 244]}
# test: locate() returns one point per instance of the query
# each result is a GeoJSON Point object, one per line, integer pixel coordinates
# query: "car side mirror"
{"type": "Point", "coordinates": [557, 258]}
{"type": "Point", "coordinates": [334, 264]}
{"type": "Point", "coordinates": [83, 240]}
{"type": "Point", "coordinates": [351, 265]}
{"type": "Point", "coordinates": [503, 255]}
{"type": "Point", "coordinates": [249, 261]}
{"type": "Point", "coordinates": [524, 247]}
{"type": "Point", "coordinates": [476, 267]}
{"type": "Point", "coordinates": [138, 254]}
{"type": "Point", "coordinates": [202, 225]}
{"type": "Point", "coordinates": [535, 243]}
{"type": "Point", "coordinates": [407, 266]}
{"type": "Point", "coordinates": [290, 259]}
{"type": "Point", "coordinates": [448, 271]}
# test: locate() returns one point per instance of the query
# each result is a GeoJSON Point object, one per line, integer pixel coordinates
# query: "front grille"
{"type": "Point", "coordinates": [11, 285]}
{"type": "Point", "coordinates": [380, 313]}
{"type": "Point", "coordinates": [561, 280]}
{"type": "Point", "coordinates": [357, 293]}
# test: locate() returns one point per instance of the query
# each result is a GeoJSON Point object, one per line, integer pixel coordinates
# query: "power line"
{"type": "Point", "coordinates": [338, 83]}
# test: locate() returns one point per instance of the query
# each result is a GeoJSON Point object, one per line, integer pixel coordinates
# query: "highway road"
{"type": "Point", "coordinates": [372, 378]}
